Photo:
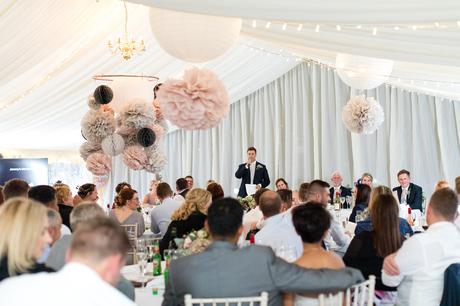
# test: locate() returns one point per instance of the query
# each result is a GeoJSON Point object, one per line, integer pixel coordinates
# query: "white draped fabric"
{"type": "Point", "coordinates": [295, 124]}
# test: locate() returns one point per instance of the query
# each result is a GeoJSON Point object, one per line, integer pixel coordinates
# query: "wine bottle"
{"type": "Point", "coordinates": [410, 219]}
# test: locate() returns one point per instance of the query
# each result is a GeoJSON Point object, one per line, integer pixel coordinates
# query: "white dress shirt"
{"type": "Point", "coordinates": [422, 260]}
{"type": "Point", "coordinates": [75, 285]}
{"type": "Point", "coordinates": [276, 232]}
{"type": "Point", "coordinates": [252, 171]}
{"type": "Point", "coordinates": [160, 216]}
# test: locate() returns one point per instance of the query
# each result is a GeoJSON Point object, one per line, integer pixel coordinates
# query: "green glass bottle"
{"type": "Point", "coordinates": [156, 259]}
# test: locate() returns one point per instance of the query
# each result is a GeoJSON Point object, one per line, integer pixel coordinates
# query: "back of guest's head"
{"type": "Point", "coordinates": [441, 184]}
{"type": "Point", "coordinates": [181, 184]}
{"type": "Point", "coordinates": [43, 194]}
{"type": "Point", "coordinates": [97, 239]}
{"type": "Point", "coordinates": [258, 194]}
{"type": "Point", "coordinates": [164, 190]}
{"type": "Point", "coordinates": [63, 193]}
{"type": "Point", "coordinates": [197, 200]}
{"type": "Point", "coordinates": [54, 224]}
{"type": "Point", "coordinates": [124, 196]}
{"type": "Point", "coordinates": [121, 186]}
{"type": "Point", "coordinates": [270, 203]}
{"type": "Point", "coordinates": [210, 182]}
{"type": "Point", "coordinates": [311, 221]}
{"type": "Point", "coordinates": [84, 212]}
{"type": "Point", "coordinates": [363, 193]}
{"type": "Point", "coordinates": [216, 191]}
{"type": "Point", "coordinates": [457, 184]}
{"type": "Point", "coordinates": [378, 191]}
{"type": "Point", "coordinates": [385, 222]}
{"type": "Point", "coordinates": [303, 192]}
{"type": "Point", "coordinates": [444, 204]}
{"type": "Point", "coordinates": [22, 233]}
{"type": "Point", "coordinates": [316, 187]}
{"type": "Point", "coordinates": [85, 190]}
{"type": "Point", "coordinates": [225, 217]}
{"type": "Point", "coordinates": [286, 197]}
{"type": "Point", "coordinates": [15, 188]}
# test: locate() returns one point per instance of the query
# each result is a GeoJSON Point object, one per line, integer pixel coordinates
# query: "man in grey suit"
{"type": "Point", "coordinates": [223, 270]}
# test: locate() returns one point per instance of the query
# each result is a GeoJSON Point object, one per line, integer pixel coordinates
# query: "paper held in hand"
{"type": "Point", "coordinates": [251, 189]}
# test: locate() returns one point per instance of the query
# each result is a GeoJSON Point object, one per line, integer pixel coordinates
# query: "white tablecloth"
{"type": "Point", "coordinates": [152, 294]}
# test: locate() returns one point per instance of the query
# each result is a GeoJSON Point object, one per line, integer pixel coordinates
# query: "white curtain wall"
{"type": "Point", "coordinates": [295, 123]}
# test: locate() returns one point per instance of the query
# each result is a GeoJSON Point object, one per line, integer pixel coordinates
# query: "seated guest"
{"type": "Point", "coordinates": [252, 220]}
{"type": "Point", "coordinates": [409, 193]}
{"type": "Point", "coordinates": [54, 229]}
{"type": "Point", "coordinates": [312, 222]}
{"type": "Point", "coordinates": [441, 184]}
{"type": "Point", "coordinates": [46, 195]}
{"type": "Point", "coordinates": [231, 272]}
{"type": "Point", "coordinates": [417, 268]}
{"type": "Point", "coordinates": [181, 190]}
{"type": "Point", "coordinates": [57, 256]}
{"type": "Point", "coordinates": [151, 198]}
{"type": "Point", "coordinates": [190, 216]}
{"type": "Point", "coordinates": [281, 184]}
{"type": "Point", "coordinates": [368, 248]}
{"type": "Point", "coordinates": [210, 181]}
{"type": "Point", "coordinates": [65, 202]}
{"type": "Point", "coordinates": [366, 179]}
{"type": "Point", "coordinates": [23, 238]}
{"type": "Point", "coordinates": [337, 187]}
{"type": "Point", "coordinates": [363, 193]}
{"type": "Point", "coordinates": [95, 258]}
{"type": "Point", "coordinates": [286, 199]}
{"type": "Point", "coordinates": [189, 180]}
{"type": "Point", "coordinates": [1, 195]}
{"type": "Point", "coordinates": [216, 190]}
{"type": "Point", "coordinates": [303, 193]}
{"type": "Point", "coordinates": [118, 189]}
{"type": "Point", "coordinates": [87, 193]}
{"type": "Point", "coordinates": [276, 233]}
{"type": "Point", "coordinates": [295, 198]}
{"type": "Point", "coordinates": [15, 188]}
{"type": "Point", "coordinates": [126, 212]}
{"type": "Point", "coordinates": [160, 217]}
{"type": "Point", "coordinates": [366, 224]}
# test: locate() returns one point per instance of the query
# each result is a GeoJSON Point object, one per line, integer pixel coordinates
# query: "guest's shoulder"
{"type": "Point", "coordinates": [416, 187]}
{"type": "Point", "coordinates": [396, 188]}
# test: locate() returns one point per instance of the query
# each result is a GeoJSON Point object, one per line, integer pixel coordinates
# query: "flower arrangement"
{"type": "Point", "coordinates": [197, 241]}
{"type": "Point", "coordinates": [247, 202]}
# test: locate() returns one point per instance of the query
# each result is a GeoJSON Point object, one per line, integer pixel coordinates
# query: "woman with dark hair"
{"type": "Point", "coordinates": [312, 222]}
{"type": "Point", "coordinates": [363, 193]}
{"type": "Point", "coordinates": [86, 193]}
{"type": "Point", "coordinates": [281, 184]}
{"type": "Point", "coordinates": [286, 198]}
{"type": "Point", "coordinates": [216, 191]}
{"type": "Point", "coordinates": [368, 248]}
{"type": "Point", "coordinates": [126, 211]}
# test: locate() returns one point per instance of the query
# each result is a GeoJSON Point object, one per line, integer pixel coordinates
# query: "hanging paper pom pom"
{"type": "Point", "coordinates": [99, 164]}
{"type": "Point", "coordinates": [92, 103]}
{"type": "Point", "coordinates": [134, 157]}
{"type": "Point", "coordinates": [97, 125]}
{"type": "Point", "coordinates": [113, 145]}
{"type": "Point", "coordinates": [146, 137]}
{"type": "Point", "coordinates": [103, 94]}
{"type": "Point", "coordinates": [88, 148]}
{"type": "Point", "coordinates": [362, 115]}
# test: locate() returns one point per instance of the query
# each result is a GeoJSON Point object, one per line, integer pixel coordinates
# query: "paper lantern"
{"type": "Point", "coordinates": [126, 89]}
{"type": "Point", "coordinates": [103, 94]}
{"type": "Point", "coordinates": [113, 145]}
{"type": "Point", "coordinates": [146, 137]}
{"type": "Point", "coordinates": [193, 37]}
{"type": "Point", "coordinates": [361, 72]}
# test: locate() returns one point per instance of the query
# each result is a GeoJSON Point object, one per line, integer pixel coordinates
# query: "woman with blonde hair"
{"type": "Point", "coordinates": [65, 202]}
{"type": "Point", "coordinates": [24, 237]}
{"type": "Point", "coordinates": [190, 216]}
{"type": "Point", "coordinates": [441, 184]}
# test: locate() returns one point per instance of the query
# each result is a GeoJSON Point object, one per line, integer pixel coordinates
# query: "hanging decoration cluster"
{"type": "Point", "coordinates": [196, 102]}
{"type": "Point", "coordinates": [134, 129]}
{"type": "Point", "coordinates": [362, 115]}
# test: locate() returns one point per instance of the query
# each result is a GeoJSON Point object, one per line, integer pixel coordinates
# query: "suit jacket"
{"type": "Point", "coordinates": [223, 270]}
{"type": "Point", "coordinates": [344, 192]}
{"type": "Point", "coordinates": [415, 198]}
{"type": "Point", "coordinates": [260, 177]}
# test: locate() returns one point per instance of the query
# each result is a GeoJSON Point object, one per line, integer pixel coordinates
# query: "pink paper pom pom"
{"type": "Point", "coordinates": [99, 164]}
{"type": "Point", "coordinates": [199, 101]}
{"type": "Point", "coordinates": [134, 157]}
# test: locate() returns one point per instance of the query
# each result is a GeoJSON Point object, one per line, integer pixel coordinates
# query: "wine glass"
{"type": "Point", "coordinates": [342, 201]}
{"type": "Point", "coordinates": [141, 256]}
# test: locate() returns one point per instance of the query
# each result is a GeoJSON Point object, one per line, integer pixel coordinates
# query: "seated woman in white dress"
{"type": "Point", "coordinates": [126, 211]}
{"type": "Point", "coordinates": [312, 222]}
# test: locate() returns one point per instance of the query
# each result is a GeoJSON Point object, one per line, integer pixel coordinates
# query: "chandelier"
{"type": "Point", "coordinates": [125, 46]}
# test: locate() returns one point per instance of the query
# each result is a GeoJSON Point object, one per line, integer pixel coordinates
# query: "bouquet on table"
{"type": "Point", "coordinates": [247, 202]}
{"type": "Point", "coordinates": [197, 241]}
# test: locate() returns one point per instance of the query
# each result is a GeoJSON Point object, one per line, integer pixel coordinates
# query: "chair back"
{"type": "Point", "coordinates": [358, 295]}
{"type": "Point", "coordinates": [131, 230]}
{"type": "Point", "coordinates": [451, 291]}
{"type": "Point", "coordinates": [261, 300]}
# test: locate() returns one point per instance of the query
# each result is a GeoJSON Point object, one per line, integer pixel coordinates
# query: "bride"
{"type": "Point", "coordinates": [312, 222]}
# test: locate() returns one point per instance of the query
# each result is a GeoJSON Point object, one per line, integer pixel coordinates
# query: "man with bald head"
{"type": "Point", "coordinates": [276, 232]}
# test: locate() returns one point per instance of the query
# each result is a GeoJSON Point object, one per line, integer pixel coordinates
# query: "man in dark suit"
{"type": "Point", "coordinates": [223, 270]}
{"type": "Point", "coordinates": [408, 192]}
{"type": "Point", "coordinates": [336, 179]}
{"type": "Point", "coordinates": [252, 172]}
